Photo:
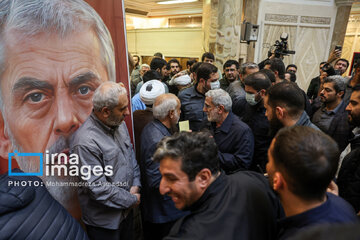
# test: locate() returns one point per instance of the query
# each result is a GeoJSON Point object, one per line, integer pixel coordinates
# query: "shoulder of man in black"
{"type": "Point", "coordinates": [245, 208]}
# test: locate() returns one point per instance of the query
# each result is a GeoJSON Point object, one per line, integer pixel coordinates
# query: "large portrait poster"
{"type": "Point", "coordinates": [49, 70]}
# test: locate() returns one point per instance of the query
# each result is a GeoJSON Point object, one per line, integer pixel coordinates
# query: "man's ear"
{"type": "Point", "coordinates": [221, 109]}
{"type": "Point", "coordinates": [171, 114]}
{"type": "Point", "coordinates": [278, 181]}
{"type": "Point", "coordinates": [280, 112]}
{"type": "Point", "coordinates": [203, 178]}
{"type": "Point", "coordinates": [341, 93]}
{"type": "Point", "coordinates": [201, 80]}
{"type": "Point", "coordinates": [105, 112]}
{"type": "Point", "coordinates": [5, 143]}
{"type": "Point", "coordinates": [276, 73]}
{"type": "Point", "coordinates": [262, 93]}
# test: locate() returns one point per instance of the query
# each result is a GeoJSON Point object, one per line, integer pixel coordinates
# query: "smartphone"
{"type": "Point", "coordinates": [338, 47]}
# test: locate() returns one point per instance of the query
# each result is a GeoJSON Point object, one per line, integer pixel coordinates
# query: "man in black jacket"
{"type": "Point", "coordinates": [349, 175]}
{"type": "Point", "coordinates": [314, 86]}
{"type": "Point", "coordinates": [256, 85]}
{"type": "Point", "coordinates": [237, 206]}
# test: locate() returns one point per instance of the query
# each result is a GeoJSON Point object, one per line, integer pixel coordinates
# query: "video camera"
{"type": "Point", "coordinates": [281, 47]}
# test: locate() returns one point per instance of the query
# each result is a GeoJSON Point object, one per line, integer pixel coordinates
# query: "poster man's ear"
{"type": "Point", "coordinates": [5, 143]}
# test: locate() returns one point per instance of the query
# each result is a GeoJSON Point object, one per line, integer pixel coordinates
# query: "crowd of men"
{"type": "Point", "coordinates": [261, 158]}
{"type": "Point", "coordinates": [246, 113]}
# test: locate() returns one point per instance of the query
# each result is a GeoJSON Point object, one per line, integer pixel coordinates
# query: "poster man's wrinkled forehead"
{"type": "Point", "coordinates": [54, 17]}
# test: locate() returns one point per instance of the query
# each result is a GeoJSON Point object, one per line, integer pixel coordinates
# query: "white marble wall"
{"type": "Point", "coordinates": [309, 25]}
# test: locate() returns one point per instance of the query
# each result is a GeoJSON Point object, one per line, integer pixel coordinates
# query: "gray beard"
{"type": "Point", "coordinates": [65, 195]}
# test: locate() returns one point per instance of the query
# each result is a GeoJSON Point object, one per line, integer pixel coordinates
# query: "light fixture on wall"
{"type": "Point", "coordinates": [176, 1]}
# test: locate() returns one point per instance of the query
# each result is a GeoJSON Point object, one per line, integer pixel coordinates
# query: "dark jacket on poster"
{"type": "Point", "coordinates": [30, 212]}
{"type": "Point", "coordinates": [334, 210]}
{"type": "Point", "coordinates": [259, 124]}
{"type": "Point", "coordinates": [237, 206]}
{"type": "Point", "coordinates": [235, 142]}
{"type": "Point", "coordinates": [349, 175]}
{"type": "Point", "coordinates": [156, 208]}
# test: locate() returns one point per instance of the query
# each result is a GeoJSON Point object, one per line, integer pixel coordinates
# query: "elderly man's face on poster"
{"type": "Point", "coordinates": [47, 88]}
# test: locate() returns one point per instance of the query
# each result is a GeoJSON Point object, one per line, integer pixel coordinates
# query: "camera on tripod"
{"type": "Point", "coordinates": [281, 47]}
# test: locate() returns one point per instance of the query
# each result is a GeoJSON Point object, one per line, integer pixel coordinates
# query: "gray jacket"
{"type": "Point", "coordinates": [105, 200]}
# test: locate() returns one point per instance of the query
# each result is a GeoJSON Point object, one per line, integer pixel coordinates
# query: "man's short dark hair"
{"type": "Point", "coordinates": [229, 63]}
{"type": "Point", "coordinates": [276, 64]}
{"type": "Point", "coordinates": [287, 95]}
{"type": "Point", "coordinates": [204, 71]}
{"type": "Point", "coordinates": [195, 150]}
{"type": "Point", "coordinates": [270, 74]}
{"type": "Point", "coordinates": [291, 65]}
{"type": "Point", "coordinates": [267, 62]}
{"type": "Point", "coordinates": [151, 75]}
{"type": "Point", "coordinates": [157, 63]}
{"type": "Point", "coordinates": [307, 158]}
{"type": "Point", "coordinates": [322, 63]}
{"type": "Point", "coordinates": [174, 60]}
{"type": "Point", "coordinates": [292, 76]}
{"type": "Point", "coordinates": [195, 67]}
{"type": "Point", "coordinates": [158, 54]}
{"type": "Point", "coordinates": [191, 62]}
{"type": "Point", "coordinates": [344, 60]}
{"type": "Point", "coordinates": [207, 55]}
{"type": "Point", "coordinates": [258, 81]}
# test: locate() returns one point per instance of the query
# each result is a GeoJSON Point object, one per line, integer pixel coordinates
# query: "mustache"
{"type": "Point", "coordinates": [61, 144]}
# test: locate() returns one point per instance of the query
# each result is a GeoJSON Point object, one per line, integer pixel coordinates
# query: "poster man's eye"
{"type": "Point", "coordinates": [36, 97]}
{"type": "Point", "coordinates": [84, 90]}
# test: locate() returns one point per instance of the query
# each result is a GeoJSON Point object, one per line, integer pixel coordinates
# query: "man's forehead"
{"type": "Point", "coordinates": [329, 85]}
{"type": "Point", "coordinates": [231, 67]}
{"type": "Point", "coordinates": [170, 165]}
{"type": "Point", "coordinates": [39, 54]}
{"type": "Point", "coordinates": [355, 96]}
{"type": "Point", "coordinates": [251, 70]}
{"type": "Point", "coordinates": [341, 62]}
{"type": "Point", "coordinates": [249, 88]}
{"type": "Point", "coordinates": [16, 37]}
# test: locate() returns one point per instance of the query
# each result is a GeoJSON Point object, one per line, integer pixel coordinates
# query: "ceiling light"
{"type": "Point", "coordinates": [176, 1]}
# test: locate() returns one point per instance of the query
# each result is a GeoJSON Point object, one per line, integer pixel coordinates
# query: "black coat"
{"type": "Point", "coordinates": [349, 175]}
{"type": "Point", "coordinates": [259, 124]}
{"type": "Point", "coordinates": [30, 212]}
{"type": "Point", "coordinates": [237, 206]}
{"type": "Point", "coordinates": [339, 128]}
